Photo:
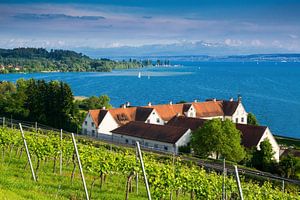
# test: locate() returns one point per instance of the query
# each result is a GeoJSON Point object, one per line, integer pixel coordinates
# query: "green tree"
{"type": "Point", "coordinates": [251, 119]}
{"type": "Point", "coordinates": [289, 166]}
{"type": "Point", "coordinates": [263, 159]}
{"type": "Point", "coordinates": [219, 138]}
{"type": "Point", "coordinates": [94, 102]}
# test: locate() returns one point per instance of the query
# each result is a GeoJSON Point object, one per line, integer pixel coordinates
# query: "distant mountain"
{"type": "Point", "coordinates": [177, 49]}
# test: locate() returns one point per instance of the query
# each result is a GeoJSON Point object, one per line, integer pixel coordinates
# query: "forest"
{"type": "Point", "coordinates": [29, 60]}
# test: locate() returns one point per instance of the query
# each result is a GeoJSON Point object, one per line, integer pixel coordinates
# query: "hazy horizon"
{"type": "Point", "coordinates": [139, 28]}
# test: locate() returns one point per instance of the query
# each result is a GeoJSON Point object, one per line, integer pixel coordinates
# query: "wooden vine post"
{"type": "Point", "coordinates": [80, 167]}
{"type": "Point", "coordinates": [238, 182]}
{"type": "Point", "coordinates": [27, 152]}
{"type": "Point", "coordinates": [60, 156]}
{"type": "Point", "coordinates": [143, 168]}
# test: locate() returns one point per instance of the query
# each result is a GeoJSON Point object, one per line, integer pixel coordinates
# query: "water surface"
{"type": "Point", "coordinates": [270, 90]}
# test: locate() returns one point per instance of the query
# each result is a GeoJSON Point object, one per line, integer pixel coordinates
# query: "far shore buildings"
{"type": "Point", "coordinates": [166, 127]}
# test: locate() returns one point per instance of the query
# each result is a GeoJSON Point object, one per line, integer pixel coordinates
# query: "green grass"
{"type": "Point", "coordinates": [286, 141]}
{"type": "Point", "coordinates": [16, 183]}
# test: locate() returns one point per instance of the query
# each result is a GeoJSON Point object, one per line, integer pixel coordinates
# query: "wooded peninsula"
{"type": "Point", "coordinates": [41, 60]}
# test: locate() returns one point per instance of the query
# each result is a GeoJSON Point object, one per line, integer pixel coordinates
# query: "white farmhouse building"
{"type": "Point", "coordinates": [100, 123]}
{"type": "Point", "coordinates": [157, 137]}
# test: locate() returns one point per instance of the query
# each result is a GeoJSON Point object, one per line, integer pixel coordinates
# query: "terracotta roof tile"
{"type": "Point", "coordinates": [95, 116]}
{"type": "Point", "coordinates": [209, 108]}
{"type": "Point", "coordinates": [123, 115]}
{"type": "Point", "coordinates": [162, 133]}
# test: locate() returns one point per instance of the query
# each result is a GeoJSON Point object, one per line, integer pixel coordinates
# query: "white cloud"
{"type": "Point", "coordinates": [256, 43]}
{"type": "Point", "coordinates": [232, 42]}
{"type": "Point", "coordinates": [293, 36]}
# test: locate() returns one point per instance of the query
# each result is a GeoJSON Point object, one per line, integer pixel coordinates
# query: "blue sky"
{"type": "Point", "coordinates": [200, 26]}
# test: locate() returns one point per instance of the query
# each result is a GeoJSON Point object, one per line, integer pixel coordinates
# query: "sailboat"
{"type": "Point", "coordinates": [140, 75]}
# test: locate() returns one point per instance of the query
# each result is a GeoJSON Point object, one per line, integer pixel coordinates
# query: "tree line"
{"type": "Point", "coordinates": [50, 103]}
{"type": "Point", "coordinates": [39, 59]}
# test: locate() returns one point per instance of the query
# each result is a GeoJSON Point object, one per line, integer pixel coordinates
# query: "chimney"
{"type": "Point", "coordinates": [103, 108]}
{"type": "Point", "coordinates": [214, 99]}
{"type": "Point", "coordinates": [231, 99]}
{"type": "Point", "coordinates": [127, 104]}
{"type": "Point", "coordinates": [124, 105]}
{"type": "Point", "coordinates": [239, 98]}
{"type": "Point", "coordinates": [195, 100]}
{"type": "Point", "coordinates": [149, 104]}
{"type": "Point", "coordinates": [170, 102]}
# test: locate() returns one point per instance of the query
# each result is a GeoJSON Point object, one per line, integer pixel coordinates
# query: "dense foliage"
{"type": "Point", "coordinates": [50, 103]}
{"type": "Point", "coordinates": [39, 59]}
{"type": "Point", "coordinates": [165, 176]}
{"type": "Point", "coordinates": [219, 138]}
{"type": "Point", "coordinates": [263, 159]}
{"type": "Point", "coordinates": [251, 119]}
{"type": "Point", "coordinates": [94, 102]}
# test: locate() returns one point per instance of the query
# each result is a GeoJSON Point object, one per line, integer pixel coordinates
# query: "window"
{"type": "Point", "coordinates": [146, 144]}
{"type": "Point", "coordinates": [155, 146]}
{"type": "Point", "coordinates": [242, 119]}
{"type": "Point", "coordinates": [85, 131]}
{"type": "Point", "coordinates": [153, 113]}
{"type": "Point", "coordinates": [236, 120]}
{"type": "Point", "coordinates": [133, 142]}
{"type": "Point", "coordinates": [166, 148]}
{"type": "Point", "coordinates": [148, 120]}
{"type": "Point", "coordinates": [157, 120]}
{"type": "Point", "coordinates": [85, 123]}
{"type": "Point", "coordinates": [92, 124]}
{"type": "Point", "coordinates": [93, 133]}
{"type": "Point", "coordinates": [126, 141]}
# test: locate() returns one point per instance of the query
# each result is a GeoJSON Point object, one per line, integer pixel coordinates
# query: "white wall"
{"type": "Point", "coordinates": [268, 135]}
{"type": "Point", "coordinates": [151, 144]}
{"type": "Point", "coordinates": [154, 118]}
{"type": "Point", "coordinates": [107, 125]}
{"type": "Point", "coordinates": [183, 141]}
{"type": "Point", "coordinates": [215, 117]}
{"type": "Point", "coordinates": [191, 112]}
{"type": "Point", "coordinates": [87, 127]}
{"type": "Point", "coordinates": [240, 115]}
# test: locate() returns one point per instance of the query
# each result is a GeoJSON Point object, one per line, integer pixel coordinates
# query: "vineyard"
{"type": "Point", "coordinates": [110, 173]}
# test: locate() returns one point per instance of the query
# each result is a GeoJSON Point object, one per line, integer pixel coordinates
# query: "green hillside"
{"type": "Point", "coordinates": [108, 170]}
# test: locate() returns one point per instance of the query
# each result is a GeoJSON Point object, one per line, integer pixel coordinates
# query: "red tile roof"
{"type": "Point", "coordinates": [209, 108]}
{"type": "Point", "coordinates": [168, 111]}
{"type": "Point", "coordinates": [162, 133]}
{"type": "Point", "coordinates": [95, 116]}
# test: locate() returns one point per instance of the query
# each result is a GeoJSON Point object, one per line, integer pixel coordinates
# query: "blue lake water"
{"type": "Point", "coordinates": [270, 90]}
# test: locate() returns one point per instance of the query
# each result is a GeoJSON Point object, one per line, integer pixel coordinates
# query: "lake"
{"type": "Point", "coordinates": [270, 90]}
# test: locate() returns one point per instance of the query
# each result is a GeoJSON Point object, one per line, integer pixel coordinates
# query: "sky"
{"type": "Point", "coordinates": [171, 27]}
